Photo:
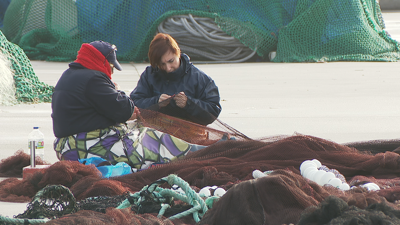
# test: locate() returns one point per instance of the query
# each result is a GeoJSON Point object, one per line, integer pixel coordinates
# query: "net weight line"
{"type": "Point", "coordinates": [201, 38]}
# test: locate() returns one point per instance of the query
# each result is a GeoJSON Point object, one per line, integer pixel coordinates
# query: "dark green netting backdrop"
{"type": "Point", "coordinates": [298, 30]}
{"type": "Point", "coordinates": [27, 84]}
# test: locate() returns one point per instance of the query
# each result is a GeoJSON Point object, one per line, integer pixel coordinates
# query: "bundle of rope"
{"type": "Point", "coordinates": [55, 201]}
{"type": "Point", "coordinates": [163, 196]}
{"type": "Point", "coordinates": [202, 39]}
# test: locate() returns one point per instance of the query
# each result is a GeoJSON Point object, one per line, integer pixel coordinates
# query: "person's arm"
{"type": "Point", "coordinates": [135, 114]}
{"type": "Point", "coordinates": [108, 101]}
{"type": "Point", "coordinates": [205, 109]}
{"type": "Point", "coordinates": [142, 95]}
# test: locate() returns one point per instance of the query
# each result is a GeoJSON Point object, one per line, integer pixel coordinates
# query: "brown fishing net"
{"type": "Point", "coordinates": [334, 210]}
{"type": "Point", "coordinates": [376, 146]}
{"type": "Point", "coordinates": [111, 216]}
{"type": "Point", "coordinates": [189, 131]}
{"type": "Point", "coordinates": [12, 166]}
{"type": "Point", "coordinates": [282, 197]}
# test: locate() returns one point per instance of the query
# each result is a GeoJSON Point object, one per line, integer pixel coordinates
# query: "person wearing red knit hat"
{"type": "Point", "coordinates": [89, 113]}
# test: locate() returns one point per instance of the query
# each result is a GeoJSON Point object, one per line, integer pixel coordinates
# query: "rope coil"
{"type": "Point", "coordinates": [201, 38]}
{"type": "Point", "coordinates": [161, 195]}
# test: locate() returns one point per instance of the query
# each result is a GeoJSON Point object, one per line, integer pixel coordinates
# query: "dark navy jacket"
{"type": "Point", "coordinates": [203, 105]}
{"type": "Point", "coordinates": [85, 100]}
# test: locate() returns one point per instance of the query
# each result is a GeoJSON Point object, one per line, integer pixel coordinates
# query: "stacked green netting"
{"type": "Point", "coordinates": [28, 86]}
{"type": "Point", "coordinates": [330, 30]}
{"type": "Point", "coordinates": [45, 30]}
{"type": "Point", "coordinates": [298, 30]}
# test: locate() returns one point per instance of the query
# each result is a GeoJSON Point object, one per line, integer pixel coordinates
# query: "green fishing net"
{"type": "Point", "coordinates": [298, 30]}
{"type": "Point", "coordinates": [28, 88]}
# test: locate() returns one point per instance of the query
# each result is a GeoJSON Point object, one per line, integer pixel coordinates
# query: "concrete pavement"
{"type": "Point", "coordinates": [339, 101]}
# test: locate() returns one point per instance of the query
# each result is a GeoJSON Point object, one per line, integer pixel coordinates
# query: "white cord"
{"type": "Point", "coordinates": [201, 38]}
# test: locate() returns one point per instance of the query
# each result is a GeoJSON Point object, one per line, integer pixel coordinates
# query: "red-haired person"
{"type": "Point", "coordinates": [89, 115]}
{"type": "Point", "coordinates": [178, 87]}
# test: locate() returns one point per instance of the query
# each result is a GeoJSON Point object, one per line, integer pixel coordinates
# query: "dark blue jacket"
{"type": "Point", "coordinates": [203, 105]}
{"type": "Point", "coordinates": [85, 100]}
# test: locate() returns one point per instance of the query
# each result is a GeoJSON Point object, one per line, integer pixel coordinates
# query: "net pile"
{"type": "Point", "coordinates": [51, 202]}
{"type": "Point", "coordinates": [7, 86]}
{"type": "Point", "coordinates": [298, 30]}
{"type": "Point", "coordinates": [3, 7]}
{"type": "Point", "coordinates": [27, 87]}
{"type": "Point", "coordinates": [282, 197]}
{"type": "Point", "coordinates": [12, 166]}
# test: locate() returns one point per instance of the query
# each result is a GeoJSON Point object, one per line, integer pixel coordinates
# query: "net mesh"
{"type": "Point", "coordinates": [27, 86]}
{"type": "Point", "coordinates": [7, 86]}
{"type": "Point", "coordinates": [298, 30]}
{"type": "Point", "coordinates": [282, 197]}
{"type": "Point", "coordinates": [188, 131]}
{"type": "Point", "coordinates": [51, 202]}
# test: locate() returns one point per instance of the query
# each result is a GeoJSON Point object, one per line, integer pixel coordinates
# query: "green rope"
{"type": "Point", "coordinates": [210, 201]}
{"type": "Point", "coordinates": [193, 210]}
{"type": "Point", "coordinates": [23, 221]}
{"type": "Point", "coordinates": [162, 210]}
{"type": "Point", "coordinates": [161, 195]}
{"type": "Point", "coordinates": [193, 198]}
{"type": "Point", "coordinates": [124, 204]}
{"type": "Point", "coordinates": [169, 192]}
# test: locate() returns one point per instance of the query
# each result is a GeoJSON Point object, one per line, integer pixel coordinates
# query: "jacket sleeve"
{"type": "Point", "coordinates": [142, 95]}
{"type": "Point", "coordinates": [206, 108]}
{"type": "Point", "coordinates": [108, 101]}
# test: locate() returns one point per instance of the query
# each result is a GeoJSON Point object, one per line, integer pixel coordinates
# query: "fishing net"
{"type": "Point", "coordinates": [298, 30]}
{"type": "Point", "coordinates": [188, 131]}
{"type": "Point", "coordinates": [376, 146]}
{"type": "Point", "coordinates": [23, 85]}
{"type": "Point", "coordinates": [13, 165]}
{"type": "Point", "coordinates": [7, 86]}
{"type": "Point", "coordinates": [282, 197]}
{"type": "Point", "coordinates": [334, 210]}
{"type": "Point", "coordinates": [3, 7]}
{"type": "Point", "coordinates": [51, 202]}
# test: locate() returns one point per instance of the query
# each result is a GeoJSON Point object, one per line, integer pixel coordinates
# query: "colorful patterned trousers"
{"type": "Point", "coordinates": [139, 148]}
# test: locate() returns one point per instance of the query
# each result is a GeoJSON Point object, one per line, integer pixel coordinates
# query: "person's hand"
{"type": "Point", "coordinates": [164, 100]}
{"type": "Point", "coordinates": [116, 86]}
{"type": "Point", "coordinates": [180, 99]}
{"type": "Point", "coordinates": [134, 114]}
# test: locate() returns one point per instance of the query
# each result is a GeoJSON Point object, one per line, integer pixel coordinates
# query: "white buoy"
{"type": "Point", "coordinates": [371, 186]}
{"type": "Point", "coordinates": [219, 192]}
{"type": "Point", "coordinates": [317, 162]}
{"type": "Point", "coordinates": [310, 174]}
{"type": "Point", "coordinates": [306, 164]}
{"type": "Point", "coordinates": [318, 177]}
{"type": "Point", "coordinates": [336, 182]}
{"type": "Point", "coordinates": [375, 187]}
{"type": "Point", "coordinates": [327, 177]}
{"type": "Point", "coordinates": [344, 187]}
{"type": "Point", "coordinates": [205, 192]}
{"type": "Point", "coordinates": [258, 174]}
{"type": "Point", "coordinates": [307, 170]}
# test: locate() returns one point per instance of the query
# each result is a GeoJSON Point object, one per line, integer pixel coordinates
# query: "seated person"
{"type": "Point", "coordinates": [178, 87]}
{"type": "Point", "coordinates": [89, 115]}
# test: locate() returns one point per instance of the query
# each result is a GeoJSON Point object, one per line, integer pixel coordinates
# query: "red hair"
{"type": "Point", "coordinates": [161, 44]}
